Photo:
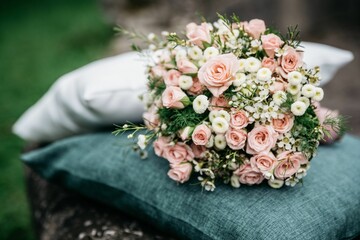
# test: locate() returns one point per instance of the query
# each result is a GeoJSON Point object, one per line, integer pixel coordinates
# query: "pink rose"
{"type": "Point", "coordinates": [261, 139]}
{"type": "Point", "coordinates": [283, 125]}
{"type": "Point", "coordinates": [185, 66]}
{"type": "Point", "coordinates": [238, 119]}
{"type": "Point", "coordinates": [197, 88]}
{"type": "Point", "coordinates": [263, 162]}
{"type": "Point", "coordinates": [322, 113]}
{"type": "Point", "coordinates": [218, 103]}
{"type": "Point", "coordinates": [197, 34]}
{"type": "Point", "coordinates": [171, 78]}
{"type": "Point", "coordinates": [201, 134]}
{"type": "Point", "coordinates": [174, 97]}
{"type": "Point", "coordinates": [248, 175]}
{"type": "Point", "coordinates": [185, 133]}
{"type": "Point", "coordinates": [157, 71]}
{"type": "Point", "coordinates": [299, 156]}
{"type": "Point", "coordinates": [235, 139]}
{"type": "Point", "coordinates": [255, 27]}
{"type": "Point", "coordinates": [160, 144]}
{"type": "Point", "coordinates": [198, 150]}
{"type": "Point", "coordinates": [290, 61]}
{"type": "Point", "coordinates": [151, 118]}
{"type": "Point", "coordinates": [271, 42]}
{"type": "Point", "coordinates": [180, 172]}
{"type": "Point", "coordinates": [278, 85]}
{"type": "Point", "coordinates": [287, 165]}
{"type": "Point", "coordinates": [180, 152]}
{"type": "Point", "coordinates": [269, 63]}
{"type": "Point", "coordinates": [217, 74]}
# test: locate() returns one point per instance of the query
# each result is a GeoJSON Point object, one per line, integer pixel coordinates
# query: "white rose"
{"type": "Point", "coordinates": [213, 114]}
{"type": "Point", "coordinates": [295, 78]}
{"type": "Point", "coordinates": [220, 141]}
{"type": "Point", "coordinates": [200, 104]}
{"type": "Point", "coordinates": [185, 82]}
{"type": "Point", "coordinates": [264, 74]}
{"type": "Point", "coordinates": [240, 79]}
{"type": "Point", "coordinates": [211, 52]}
{"type": "Point", "coordinates": [293, 89]}
{"type": "Point", "coordinates": [242, 63]}
{"type": "Point", "coordinates": [319, 94]}
{"type": "Point", "coordinates": [304, 100]}
{"type": "Point", "coordinates": [195, 53]}
{"type": "Point", "coordinates": [252, 64]}
{"type": "Point", "coordinates": [298, 108]}
{"type": "Point", "coordinates": [220, 125]}
{"type": "Point", "coordinates": [224, 114]}
{"type": "Point", "coordinates": [308, 90]}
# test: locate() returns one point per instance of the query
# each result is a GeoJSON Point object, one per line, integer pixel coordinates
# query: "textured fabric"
{"type": "Point", "coordinates": [104, 167]}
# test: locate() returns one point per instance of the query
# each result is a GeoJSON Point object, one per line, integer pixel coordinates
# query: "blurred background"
{"type": "Point", "coordinates": [42, 40]}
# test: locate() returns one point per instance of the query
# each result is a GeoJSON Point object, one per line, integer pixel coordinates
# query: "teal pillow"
{"type": "Point", "coordinates": [104, 167]}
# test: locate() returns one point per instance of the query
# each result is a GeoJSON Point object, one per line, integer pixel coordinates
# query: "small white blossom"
{"type": "Point", "coordinates": [293, 89]}
{"type": "Point", "coordinates": [151, 36]}
{"type": "Point", "coordinates": [240, 78]}
{"type": "Point", "coordinates": [201, 62]}
{"type": "Point", "coordinates": [304, 100]}
{"type": "Point", "coordinates": [234, 180]}
{"type": "Point", "coordinates": [211, 52]}
{"type": "Point", "coordinates": [165, 33]}
{"type": "Point", "coordinates": [291, 182]}
{"type": "Point", "coordinates": [279, 97]}
{"type": "Point", "coordinates": [275, 183]}
{"type": "Point", "coordinates": [224, 114]}
{"type": "Point", "coordinates": [252, 64]}
{"type": "Point", "coordinates": [200, 104]}
{"type": "Point", "coordinates": [220, 141]}
{"type": "Point", "coordinates": [195, 53]}
{"type": "Point", "coordinates": [264, 74]}
{"type": "Point", "coordinates": [209, 186]}
{"type": "Point", "coordinates": [185, 82]}
{"type": "Point", "coordinates": [298, 108]}
{"type": "Point", "coordinates": [220, 125]}
{"type": "Point", "coordinates": [295, 78]}
{"type": "Point", "coordinates": [242, 63]}
{"type": "Point", "coordinates": [319, 94]}
{"type": "Point", "coordinates": [213, 114]}
{"type": "Point", "coordinates": [180, 54]}
{"type": "Point", "coordinates": [210, 143]}
{"type": "Point", "coordinates": [308, 90]}
{"type": "Point", "coordinates": [142, 141]}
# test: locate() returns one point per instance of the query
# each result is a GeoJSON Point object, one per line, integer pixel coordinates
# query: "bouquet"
{"type": "Point", "coordinates": [232, 101]}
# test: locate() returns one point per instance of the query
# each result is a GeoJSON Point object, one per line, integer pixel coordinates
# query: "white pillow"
{"type": "Point", "coordinates": [97, 95]}
{"type": "Point", "coordinates": [106, 92]}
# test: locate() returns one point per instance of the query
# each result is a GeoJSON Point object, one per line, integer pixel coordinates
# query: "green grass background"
{"type": "Point", "coordinates": [39, 41]}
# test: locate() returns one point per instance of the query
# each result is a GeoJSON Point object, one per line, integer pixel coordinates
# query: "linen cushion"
{"type": "Point", "coordinates": [106, 92]}
{"type": "Point", "coordinates": [104, 167]}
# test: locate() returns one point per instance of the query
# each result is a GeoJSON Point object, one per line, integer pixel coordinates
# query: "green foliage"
{"type": "Point", "coordinates": [39, 41]}
{"type": "Point", "coordinates": [177, 119]}
{"type": "Point", "coordinates": [292, 37]}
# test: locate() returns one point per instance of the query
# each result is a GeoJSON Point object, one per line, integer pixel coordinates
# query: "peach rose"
{"type": "Point", "coordinates": [197, 88]}
{"type": "Point", "coordinates": [255, 28]}
{"type": "Point", "coordinates": [290, 61]}
{"type": "Point", "coordinates": [248, 175]}
{"type": "Point", "coordinates": [283, 125]}
{"type": "Point", "coordinates": [157, 71]}
{"type": "Point", "coordinates": [269, 63]}
{"type": "Point", "coordinates": [217, 74]}
{"type": "Point", "coordinates": [160, 144]}
{"type": "Point", "coordinates": [261, 139]}
{"type": "Point", "coordinates": [180, 172]}
{"type": "Point", "coordinates": [271, 42]}
{"type": "Point", "coordinates": [197, 34]}
{"type": "Point", "coordinates": [198, 150]}
{"type": "Point", "coordinates": [201, 134]}
{"type": "Point", "coordinates": [263, 162]}
{"type": "Point", "coordinates": [218, 103]}
{"type": "Point", "coordinates": [278, 85]}
{"type": "Point", "coordinates": [171, 77]}
{"type": "Point", "coordinates": [300, 157]}
{"type": "Point", "coordinates": [180, 152]}
{"type": "Point", "coordinates": [287, 165]}
{"type": "Point", "coordinates": [235, 139]}
{"type": "Point", "coordinates": [174, 97]}
{"type": "Point", "coordinates": [322, 113]}
{"type": "Point", "coordinates": [185, 133]}
{"type": "Point", "coordinates": [238, 119]}
{"type": "Point", "coordinates": [151, 118]}
{"type": "Point", "coordinates": [185, 66]}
